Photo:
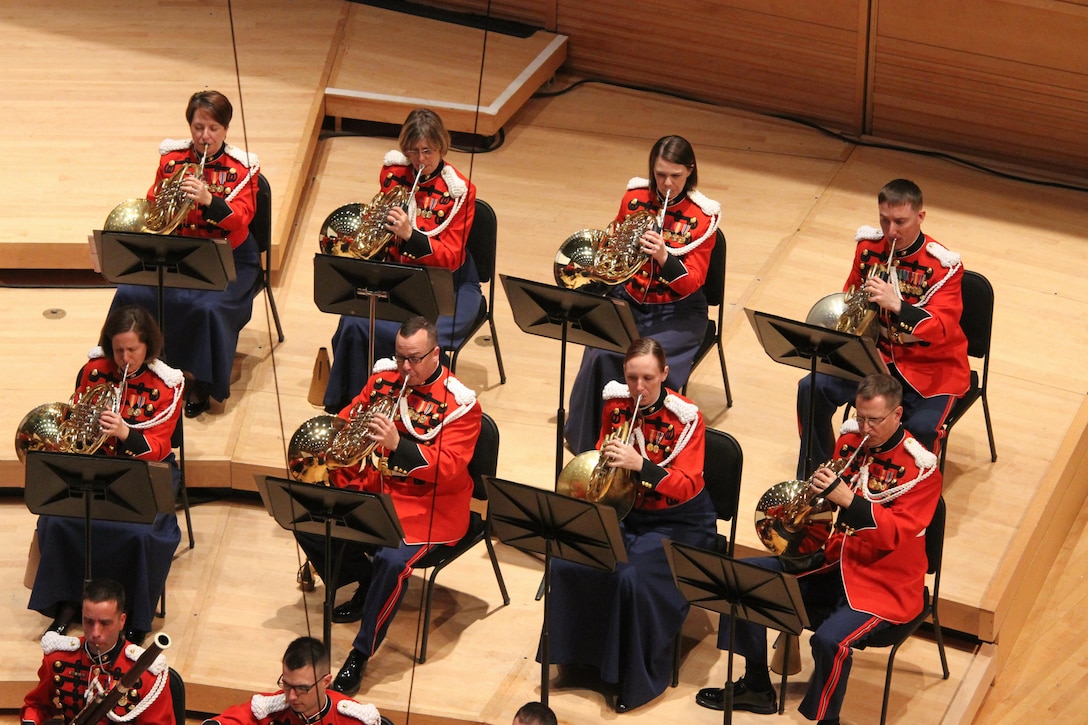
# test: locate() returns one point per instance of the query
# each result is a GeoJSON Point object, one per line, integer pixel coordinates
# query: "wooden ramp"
{"type": "Point", "coordinates": [424, 62]}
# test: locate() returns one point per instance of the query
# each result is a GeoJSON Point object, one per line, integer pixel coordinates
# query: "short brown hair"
{"type": "Point", "coordinates": [901, 191]}
{"type": "Point", "coordinates": [424, 125]}
{"type": "Point", "coordinates": [215, 103]}
{"type": "Point", "coordinates": [881, 385]}
{"type": "Point", "coordinates": [646, 346]}
{"type": "Point", "coordinates": [132, 318]}
{"type": "Point", "coordinates": [414, 324]}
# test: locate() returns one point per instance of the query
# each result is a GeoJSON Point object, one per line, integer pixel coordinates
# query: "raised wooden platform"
{"type": "Point", "coordinates": [476, 80]}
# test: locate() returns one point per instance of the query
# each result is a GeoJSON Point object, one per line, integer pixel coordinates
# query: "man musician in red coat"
{"type": "Point", "coordinates": [915, 283]}
{"type": "Point", "coordinates": [77, 669]}
{"type": "Point", "coordinates": [871, 572]}
{"type": "Point", "coordinates": [303, 696]}
{"type": "Point", "coordinates": [421, 461]}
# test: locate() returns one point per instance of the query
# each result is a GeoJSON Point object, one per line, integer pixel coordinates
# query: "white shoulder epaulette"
{"type": "Point", "coordinates": [638, 182]}
{"type": "Point", "coordinates": [708, 205]}
{"type": "Point", "coordinates": [850, 425]}
{"type": "Point", "coordinates": [868, 232]}
{"type": "Point", "coordinates": [157, 667]}
{"type": "Point", "coordinates": [264, 705]}
{"type": "Point", "coordinates": [171, 376]}
{"type": "Point", "coordinates": [615, 389]}
{"type": "Point", "coordinates": [385, 364]}
{"type": "Point", "coordinates": [685, 411]}
{"type": "Point", "coordinates": [248, 158]}
{"type": "Point", "coordinates": [96, 352]}
{"type": "Point", "coordinates": [946, 257]}
{"type": "Point", "coordinates": [395, 158]}
{"type": "Point", "coordinates": [463, 394]}
{"type": "Point", "coordinates": [923, 457]}
{"type": "Point", "coordinates": [363, 713]}
{"type": "Point", "coordinates": [53, 642]}
{"type": "Point", "coordinates": [457, 187]}
{"type": "Point", "coordinates": [169, 145]}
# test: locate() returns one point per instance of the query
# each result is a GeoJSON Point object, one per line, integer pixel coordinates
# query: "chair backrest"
{"type": "Point", "coordinates": [485, 456]}
{"type": "Point", "coordinates": [977, 318]}
{"type": "Point", "coordinates": [935, 538]}
{"type": "Point", "coordinates": [177, 694]}
{"type": "Point", "coordinates": [261, 225]}
{"type": "Point", "coordinates": [482, 240]}
{"type": "Point", "coordinates": [714, 286]}
{"type": "Point", "coordinates": [722, 471]}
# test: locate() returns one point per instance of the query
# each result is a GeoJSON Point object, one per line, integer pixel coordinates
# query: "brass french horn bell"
{"type": "Point", "coordinates": [306, 451]}
{"type": "Point", "coordinates": [591, 258]}
{"type": "Point", "coordinates": [583, 478]}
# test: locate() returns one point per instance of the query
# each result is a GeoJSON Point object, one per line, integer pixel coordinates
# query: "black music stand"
{"type": "Point", "coordinates": [164, 260]}
{"type": "Point", "coordinates": [100, 488]}
{"type": "Point", "coordinates": [334, 513]}
{"type": "Point", "coordinates": [569, 316]}
{"type": "Point", "coordinates": [543, 522]}
{"type": "Point", "coordinates": [736, 588]}
{"type": "Point", "coordinates": [381, 291]}
{"type": "Point", "coordinates": [818, 350]}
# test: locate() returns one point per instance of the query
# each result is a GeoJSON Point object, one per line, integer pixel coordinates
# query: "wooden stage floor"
{"type": "Point", "coordinates": [791, 199]}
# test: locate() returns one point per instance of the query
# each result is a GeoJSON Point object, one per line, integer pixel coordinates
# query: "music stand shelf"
{"type": "Point", "coordinates": [543, 522]}
{"type": "Point", "coordinates": [818, 350]}
{"type": "Point", "coordinates": [164, 260]}
{"type": "Point", "coordinates": [738, 589]}
{"type": "Point", "coordinates": [381, 291]}
{"type": "Point", "coordinates": [569, 316]}
{"type": "Point", "coordinates": [97, 488]}
{"type": "Point", "coordinates": [332, 513]}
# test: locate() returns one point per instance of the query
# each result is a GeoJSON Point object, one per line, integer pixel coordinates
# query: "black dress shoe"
{"type": "Point", "coordinates": [58, 626]}
{"type": "Point", "coordinates": [351, 610]}
{"type": "Point", "coordinates": [763, 703]}
{"type": "Point", "coordinates": [622, 706]}
{"type": "Point", "coordinates": [193, 408]}
{"type": "Point", "coordinates": [351, 674]}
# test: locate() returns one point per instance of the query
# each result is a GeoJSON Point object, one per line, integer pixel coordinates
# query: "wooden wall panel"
{"type": "Point", "coordinates": [773, 56]}
{"type": "Point", "coordinates": [1003, 80]}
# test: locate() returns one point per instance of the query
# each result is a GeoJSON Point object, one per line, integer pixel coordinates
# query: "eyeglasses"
{"type": "Point", "coordinates": [419, 152]}
{"type": "Point", "coordinates": [872, 421]}
{"type": "Point", "coordinates": [413, 359]}
{"type": "Point", "coordinates": [298, 689]}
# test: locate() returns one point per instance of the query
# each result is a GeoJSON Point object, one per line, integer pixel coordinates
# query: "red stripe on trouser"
{"type": "Point", "coordinates": [389, 607]}
{"type": "Point", "coordinates": [841, 656]}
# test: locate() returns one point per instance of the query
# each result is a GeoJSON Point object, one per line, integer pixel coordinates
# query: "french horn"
{"type": "Point", "coordinates": [592, 257]}
{"type": "Point", "coordinates": [169, 208]}
{"type": "Point", "coordinates": [589, 477]}
{"type": "Point", "coordinates": [306, 453]}
{"type": "Point", "coordinates": [851, 311]}
{"type": "Point", "coordinates": [792, 521]}
{"type": "Point", "coordinates": [358, 230]}
{"type": "Point", "coordinates": [71, 427]}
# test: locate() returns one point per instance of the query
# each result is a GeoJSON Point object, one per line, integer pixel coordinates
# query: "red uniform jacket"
{"type": "Point", "coordinates": [690, 223]}
{"type": "Point", "coordinates": [427, 476]}
{"type": "Point", "coordinates": [925, 340]}
{"type": "Point", "coordinates": [879, 540]}
{"type": "Point", "coordinates": [67, 668]}
{"type": "Point", "coordinates": [232, 179]}
{"type": "Point", "coordinates": [151, 404]}
{"type": "Point", "coordinates": [672, 439]}
{"type": "Point", "coordinates": [273, 710]}
{"type": "Point", "coordinates": [441, 213]}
